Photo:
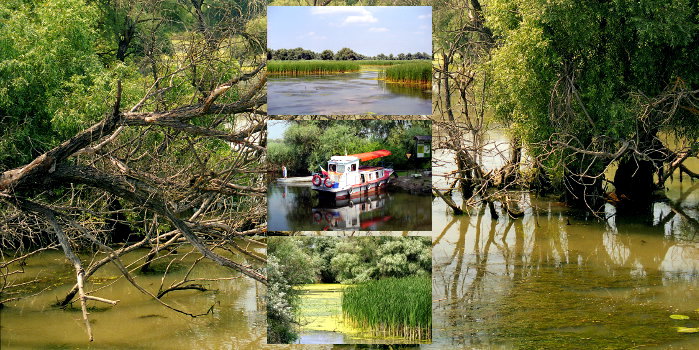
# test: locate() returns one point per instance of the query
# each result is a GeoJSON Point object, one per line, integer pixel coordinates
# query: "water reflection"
{"type": "Point", "coordinates": [557, 278]}
{"type": "Point", "coordinates": [362, 214]}
{"type": "Point", "coordinates": [347, 93]}
{"type": "Point", "coordinates": [237, 320]}
{"type": "Point", "coordinates": [294, 207]}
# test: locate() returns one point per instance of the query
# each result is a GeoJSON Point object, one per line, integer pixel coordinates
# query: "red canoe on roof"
{"type": "Point", "coordinates": [371, 155]}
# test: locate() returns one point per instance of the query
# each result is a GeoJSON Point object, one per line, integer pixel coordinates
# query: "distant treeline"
{"type": "Point", "coordinates": [343, 54]}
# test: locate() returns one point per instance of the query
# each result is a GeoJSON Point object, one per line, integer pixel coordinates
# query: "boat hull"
{"type": "Point", "coordinates": [351, 192]}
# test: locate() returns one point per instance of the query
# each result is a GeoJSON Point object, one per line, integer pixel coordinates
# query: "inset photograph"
{"type": "Point", "coordinates": [347, 60]}
{"type": "Point", "coordinates": [349, 175]}
{"type": "Point", "coordinates": [349, 290]}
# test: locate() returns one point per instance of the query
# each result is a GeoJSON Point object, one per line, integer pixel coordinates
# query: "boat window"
{"type": "Point", "coordinates": [354, 167]}
{"type": "Point", "coordinates": [340, 168]}
{"type": "Point", "coordinates": [377, 174]}
{"type": "Point", "coordinates": [331, 167]}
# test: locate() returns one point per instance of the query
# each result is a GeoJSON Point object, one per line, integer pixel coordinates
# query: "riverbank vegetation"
{"type": "Point", "coordinates": [306, 145]}
{"type": "Point", "coordinates": [409, 73]}
{"type": "Point", "coordinates": [341, 55]}
{"type": "Point", "coordinates": [400, 261]}
{"type": "Point", "coordinates": [392, 307]}
{"type": "Point", "coordinates": [590, 108]}
{"type": "Point", "coordinates": [311, 67]}
{"type": "Point", "coordinates": [130, 128]}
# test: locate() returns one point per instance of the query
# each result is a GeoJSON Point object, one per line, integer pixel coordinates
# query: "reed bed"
{"type": "Point", "coordinates": [311, 67]}
{"type": "Point", "coordinates": [392, 307]}
{"type": "Point", "coordinates": [387, 62]}
{"type": "Point", "coordinates": [413, 73]}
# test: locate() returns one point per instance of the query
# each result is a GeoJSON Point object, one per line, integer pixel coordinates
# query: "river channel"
{"type": "Point", "coordinates": [347, 93]}
{"type": "Point", "coordinates": [296, 207]}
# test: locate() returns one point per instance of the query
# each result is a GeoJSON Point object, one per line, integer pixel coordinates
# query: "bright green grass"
{"type": "Point", "coordinates": [413, 72]}
{"type": "Point", "coordinates": [391, 307]}
{"type": "Point", "coordinates": [311, 67]}
{"type": "Point", "coordinates": [387, 62]}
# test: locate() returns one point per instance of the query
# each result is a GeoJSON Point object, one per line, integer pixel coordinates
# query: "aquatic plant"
{"type": "Point", "coordinates": [413, 72]}
{"type": "Point", "coordinates": [391, 307]}
{"type": "Point", "coordinates": [311, 67]}
{"type": "Point", "coordinates": [389, 62]}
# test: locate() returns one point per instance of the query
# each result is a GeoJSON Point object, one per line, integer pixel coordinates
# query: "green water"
{"type": "Point", "coordinates": [136, 322]}
{"type": "Point", "coordinates": [560, 279]}
{"type": "Point", "coordinates": [321, 321]}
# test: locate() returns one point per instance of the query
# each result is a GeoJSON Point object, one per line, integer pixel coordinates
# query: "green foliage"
{"type": "Point", "coordinates": [361, 260]}
{"type": "Point", "coordinates": [310, 144]}
{"type": "Point", "coordinates": [287, 265]}
{"type": "Point", "coordinates": [414, 72]}
{"type": "Point", "coordinates": [310, 67]}
{"type": "Point", "coordinates": [299, 266]}
{"type": "Point", "coordinates": [346, 53]}
{"type": "Point", "coordinates": [46, 54]}
{"type": "Point", "coordinates": [608, 51]}
{"type": "Point", "coordinates": [384, 62]}
{"type": "Point", "coordinates": [280, 301]}
{"type": "Point", "coordinates": [327, 55]}
{"type": "Point", "coordinates": [393, 306]}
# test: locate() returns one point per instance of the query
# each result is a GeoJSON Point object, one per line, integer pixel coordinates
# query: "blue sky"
{"type": "Point", "coordinates": [368, 30]}
{"type": "Point", "coordinates": [276, 129]}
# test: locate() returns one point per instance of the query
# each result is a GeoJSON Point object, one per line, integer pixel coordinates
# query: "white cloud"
{"type": "Point", "coordinates": [311, 35]}
{"type": "Point", "coordinates": [333, 10]}
{"type": "Point", "coordinates": [357, 14]}
{"type": "Point", "coordinates": [368, 18]}
{"type": "Point", "coordinates": [424, 16]}
{"type": "Point", "coordinates": [378, 30]}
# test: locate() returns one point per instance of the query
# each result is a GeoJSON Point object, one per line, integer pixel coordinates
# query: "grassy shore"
{"type": "Point", "coordinates": [387, 62]}
{"type": "Point", "coordinates": [412, 73]}
{"type": "Point", "coordinates": [391, 307]}
{"type": "Point", "coordinates": [331, 67]}
{"type": "Point", "coordinates": [311, 67]}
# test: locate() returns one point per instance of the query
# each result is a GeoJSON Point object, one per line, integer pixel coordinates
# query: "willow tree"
{"type": "Point", "coordinates": [173, 155]}
{"type": "Point", "coordinates": [462, 43]}
{"type": "Point", "coordinates": [589, 84]}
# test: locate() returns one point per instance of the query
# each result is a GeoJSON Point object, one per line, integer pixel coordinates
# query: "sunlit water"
{"type": "Point", "coordinates": [321, 320]}
{"type": "Point", "coordinates": [559, 279]}
{"type": "Point", "coordinates": [346, 93]}
{"type": "Point", "coordinates": [296, 207]}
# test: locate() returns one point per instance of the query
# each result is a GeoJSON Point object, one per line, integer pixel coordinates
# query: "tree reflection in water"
{"type": "Point", "coordinates": [556, 279]}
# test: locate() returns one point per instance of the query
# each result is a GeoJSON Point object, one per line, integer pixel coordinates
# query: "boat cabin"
{"type": "Point", "coordinates": [346, 177]}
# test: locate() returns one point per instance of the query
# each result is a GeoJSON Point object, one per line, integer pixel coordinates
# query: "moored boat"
{"type": "Point", "coordinates": [295, 179]}
{"type": "Point", "coordinates": [346, 178]}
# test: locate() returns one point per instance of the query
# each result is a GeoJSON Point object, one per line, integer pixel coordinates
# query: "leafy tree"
{"type": "Point", "coordinates": [566, 75]}
{"type": "Point", "coordinates": [308, 145]}
{"type": "Point", "coordinates": [327, 55]}
{"type": "Point", "coordinates": [288, 265]}
{"type": "Point", "coordinates": [55, 38]}
{"type": "Point", "coordinates": [346, 54]}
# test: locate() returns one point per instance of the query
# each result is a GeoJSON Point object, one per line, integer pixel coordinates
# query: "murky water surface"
{"type": "Point", "coordinates": [321, 321]}
{"type": "Point", "coordinates": [347, 93]}
{"type": "Point", "coordinates": [137, 321]}
{"type": "Point", "coordinates": [296, 207]}
{"type": "Point", "coordinates": [558, 279]}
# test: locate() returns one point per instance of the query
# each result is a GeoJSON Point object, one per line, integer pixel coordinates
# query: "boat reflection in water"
{"type": "Point", "coordinates": [297, 207]}
{"type": "Point", "coordinates": [364, 212]}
